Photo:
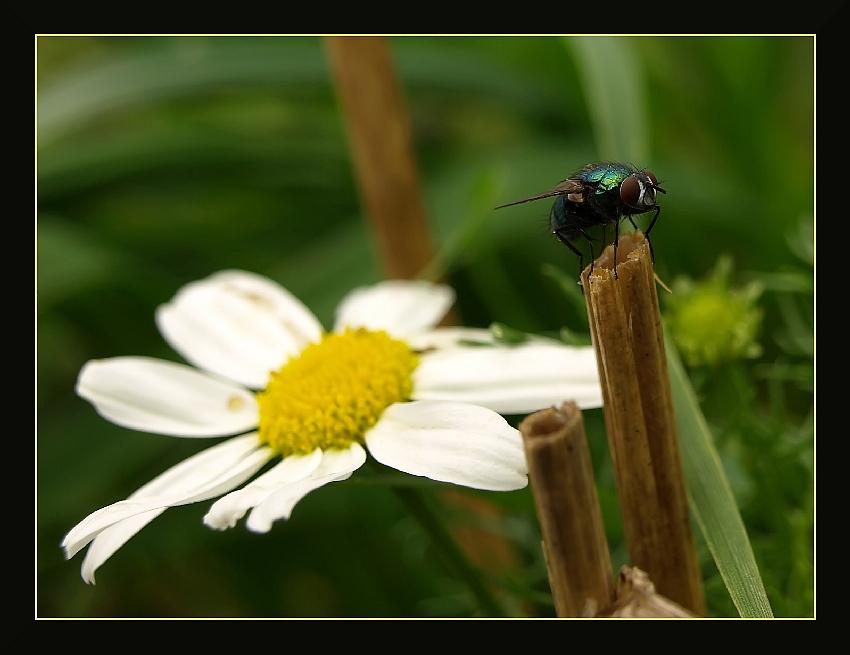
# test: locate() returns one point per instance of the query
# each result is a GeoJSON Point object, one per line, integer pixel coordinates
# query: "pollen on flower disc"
{"type": "Point", "coordinates": [334, 391]}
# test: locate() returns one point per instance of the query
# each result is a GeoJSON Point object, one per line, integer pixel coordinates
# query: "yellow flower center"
{"type": "Point", "coordinates": [334, 391]}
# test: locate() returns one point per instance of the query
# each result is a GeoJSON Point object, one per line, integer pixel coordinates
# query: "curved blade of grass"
{"type": "Point", "coordinates": [570, 289]}
{"type": "Point", "coordinates": [467, 231]}
{"type": "Point", "coordinates": [168, 68]}
{"type": "Point", "coordinates": [711, 499]}
{"type": "Point", "coordinates": [613, 84]}
{"type": "Point", "coordinates": [163, 68]}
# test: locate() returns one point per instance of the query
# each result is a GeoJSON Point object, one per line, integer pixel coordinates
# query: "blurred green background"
{"type": "Point", "coordinates": [164, 159]}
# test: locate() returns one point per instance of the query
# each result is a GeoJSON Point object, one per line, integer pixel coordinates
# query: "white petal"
{"type": "Point", "coordinates": [237, 324]}
{"type": "Point", "coordinates": [450, 442]}
{"type": "Point", "coordinates": [401, 307]}
{"type": "Point", "coordinates": [111, 539]}
{"type": "Point", "coordinates": [519, 400]}
{"type": "Point", "coordinates": [510, 379]}
{"type": "Point", "coordinates": [163, 397]}
{"type": "Point", "coordinates": [208, 474]}
{"type": "Point", "coordinates": [227, 510]}
{"type": "Point", "coordinates": [440, 338]}
{"type": "Point", "coordinates": [336, 465]}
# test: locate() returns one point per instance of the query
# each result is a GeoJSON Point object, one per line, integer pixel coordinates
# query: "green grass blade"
{"type": "Point", "coordinates": [161, 68]}
{"type": "Point", "coordinates": [711, 499]}
{"type": "Point", "coordinates": [614, 88]}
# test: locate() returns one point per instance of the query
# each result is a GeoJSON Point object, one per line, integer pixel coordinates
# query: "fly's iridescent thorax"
{"type": "Point", "coordinates": [605, 183]}
{"type": "Point", "coordinates": [598, 203]}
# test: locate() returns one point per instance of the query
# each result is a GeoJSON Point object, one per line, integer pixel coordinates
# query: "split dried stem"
{"type": "Point", "coordinates": [637, 599]}
{"type": "Point", "coordinates": [643, 438]}
{"type": "Point", "coordinates": [564, 490]}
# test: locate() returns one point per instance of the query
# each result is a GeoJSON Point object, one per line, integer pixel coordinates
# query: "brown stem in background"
{"type": "Point", "coordinates": [381, 139]}
{"type": "Point", "coordinates": [625, 324]}
{"type": "Point", "coordinates": [574, 543]}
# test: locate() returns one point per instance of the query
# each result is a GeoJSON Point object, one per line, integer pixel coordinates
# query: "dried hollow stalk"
{"type": "Point", "coordinates": [625, 323]}
{"type": "Point", "coordinates": [574, 543]}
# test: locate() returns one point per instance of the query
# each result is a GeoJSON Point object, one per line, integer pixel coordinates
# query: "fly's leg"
{"type": "Point", "coordinates": [575, 250]}
{"type": "Point", "coordinates": [592, 255]}
{"type": "Point", "coordinates": [616, 239]}
{"type": "Point", "coordinates": [654, 218]}
{"type": "Point", "coordinates": [646, 234]}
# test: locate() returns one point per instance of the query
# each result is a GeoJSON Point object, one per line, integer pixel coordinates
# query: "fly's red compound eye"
{"type": "Point", "coordinates": [651, 177]}
{"type": "Point", "coordinates": [630, 191]}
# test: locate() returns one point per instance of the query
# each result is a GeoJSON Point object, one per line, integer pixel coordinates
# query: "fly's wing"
{"type": "Point", "coordinates": [568, 186]}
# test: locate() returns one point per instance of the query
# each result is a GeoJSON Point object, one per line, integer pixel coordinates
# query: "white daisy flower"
{"type": "Point", "coordinates": [385, 379]}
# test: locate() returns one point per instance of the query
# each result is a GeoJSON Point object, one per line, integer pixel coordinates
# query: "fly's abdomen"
{"type": "Point", "coordinates": [570, 220]}
{"type": "Point", "coordinates": [562, 219]}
